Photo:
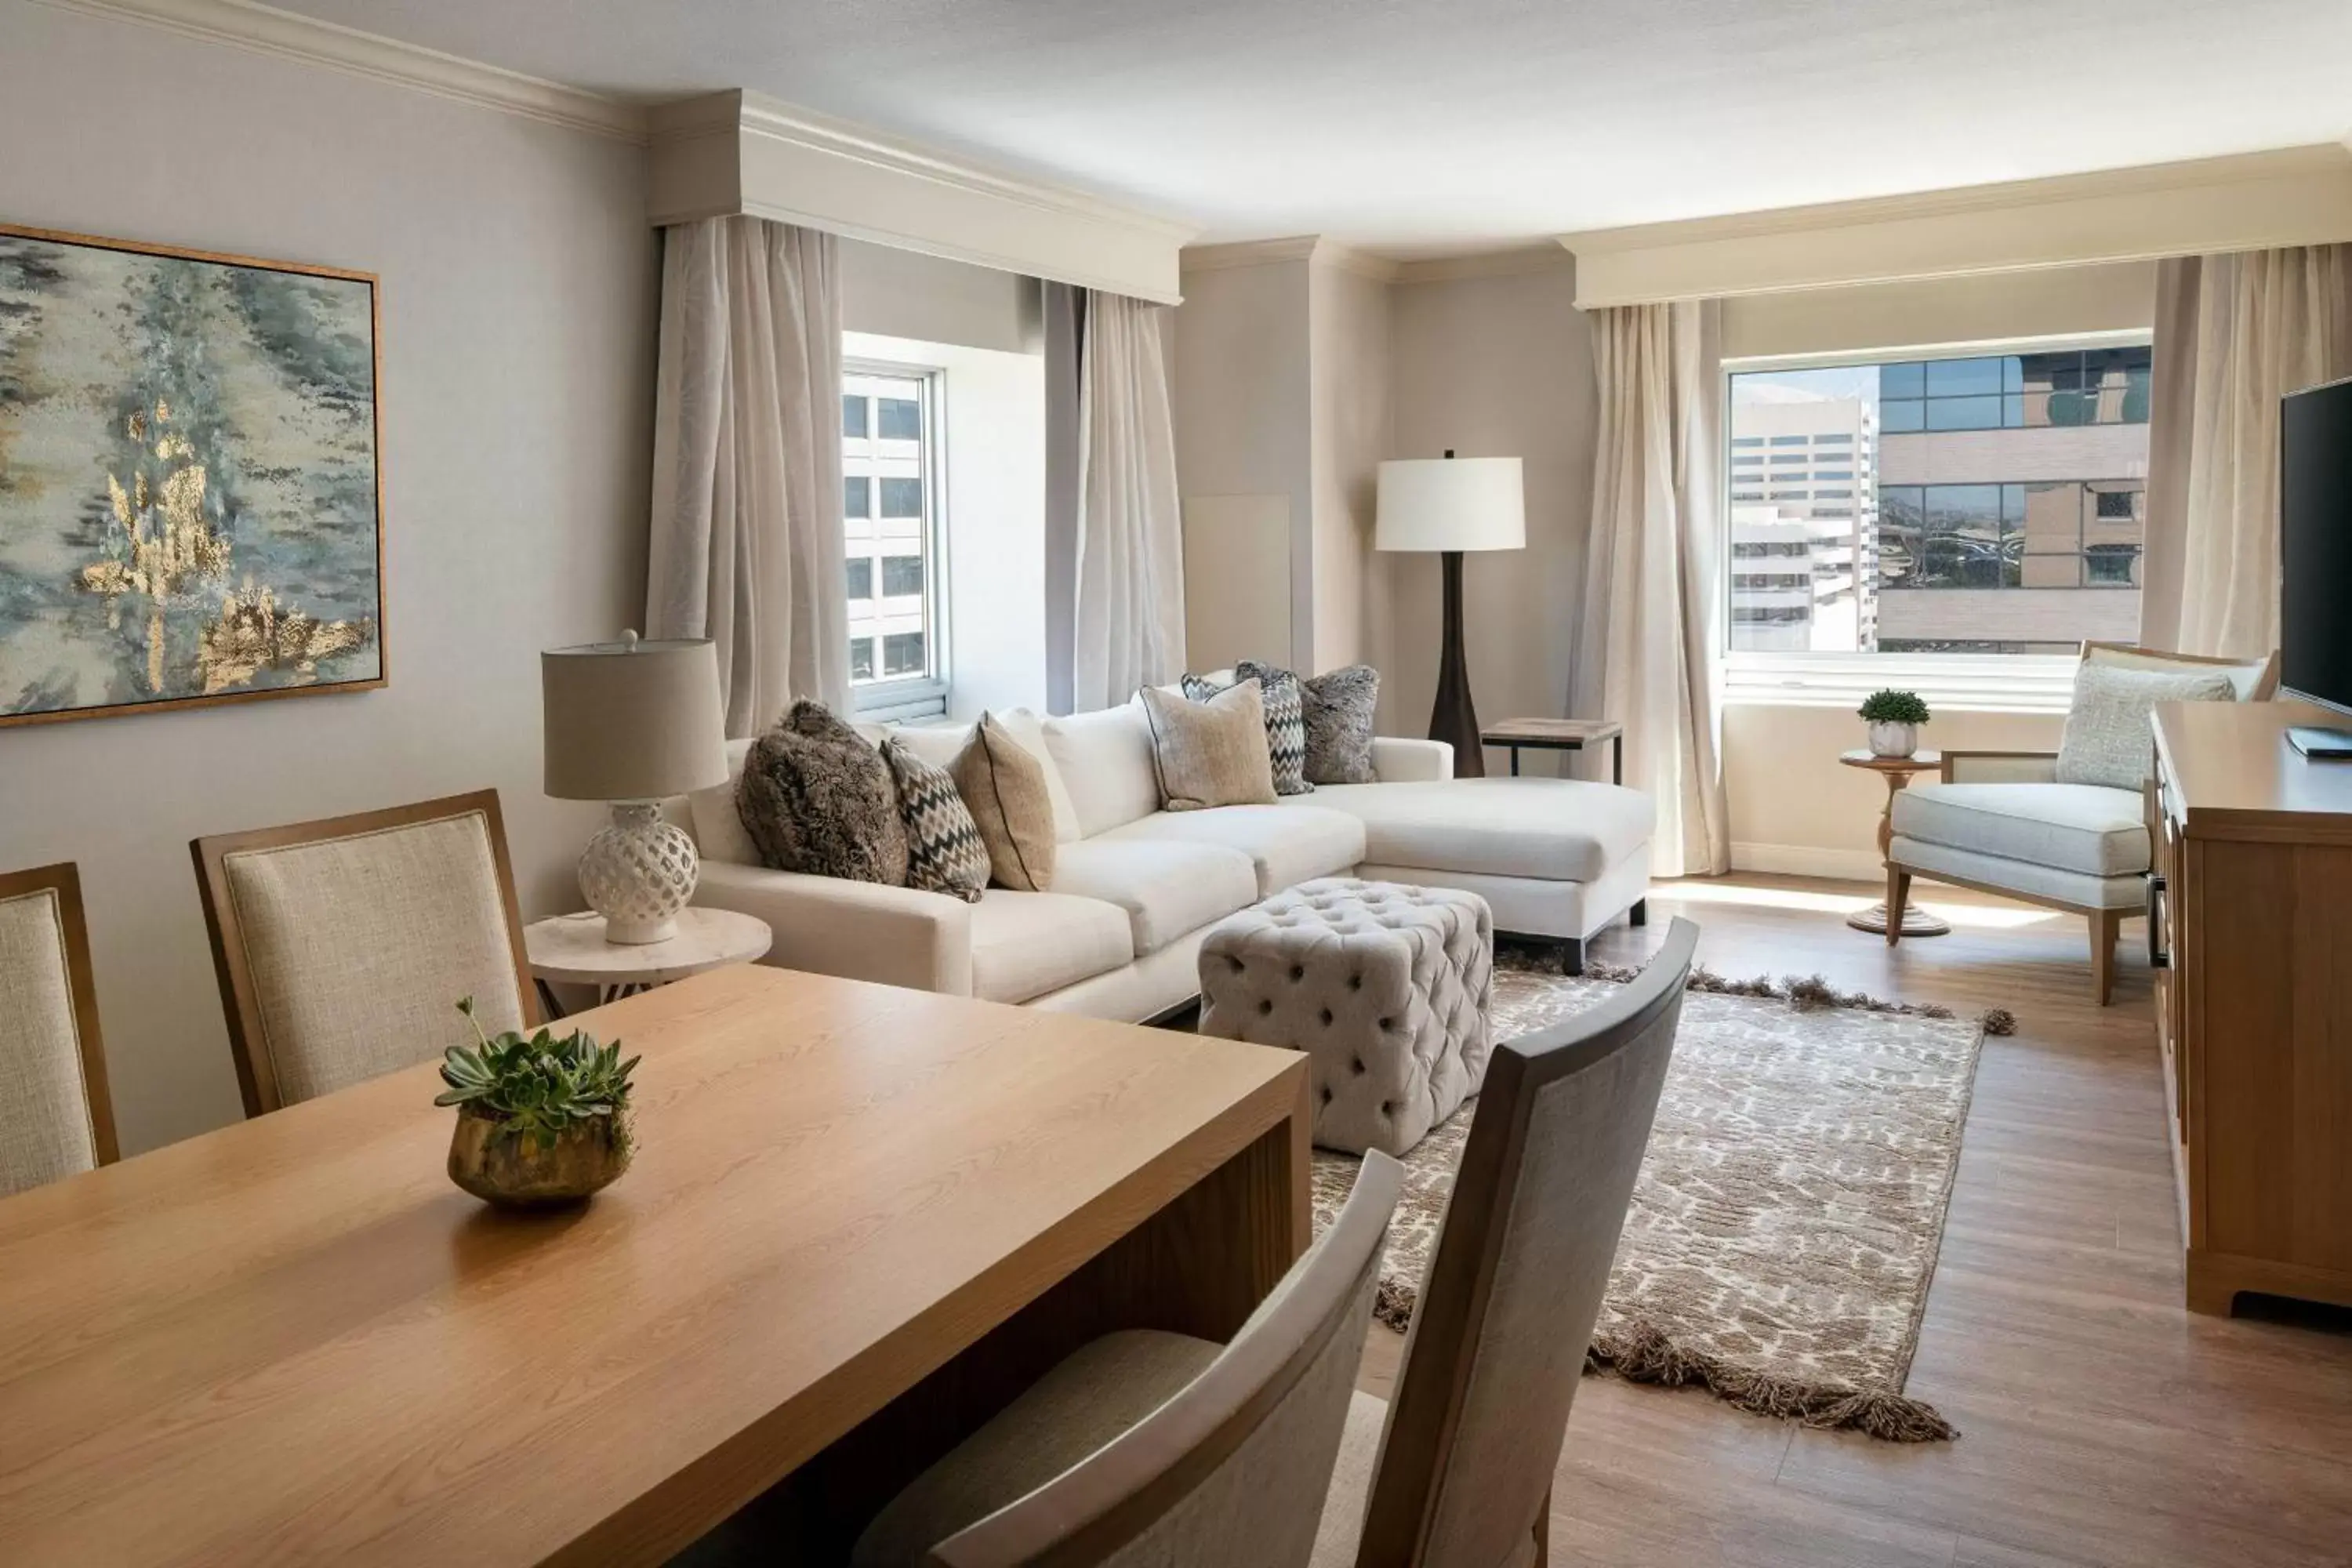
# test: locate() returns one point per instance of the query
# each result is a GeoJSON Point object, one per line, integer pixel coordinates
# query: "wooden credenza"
{"type": "Point", "coordinates": [2250, 930]}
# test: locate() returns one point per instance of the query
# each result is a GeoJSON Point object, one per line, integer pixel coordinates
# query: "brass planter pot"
{"type": "Point", "coordinates": [515, 1173]}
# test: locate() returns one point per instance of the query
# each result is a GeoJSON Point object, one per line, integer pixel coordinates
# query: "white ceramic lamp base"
{"type": "Point", "coordinates": [638, 873]}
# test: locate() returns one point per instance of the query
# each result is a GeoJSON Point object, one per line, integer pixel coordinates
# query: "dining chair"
{"type": "Point", "coordinates": [1145, 1447]}
{"type": "Point", "coordinates": [1456, 1472]}
{"type": "Point", "coordinates": [55, 1120]}
{"type": "Point", "coordinates": [344, 946]}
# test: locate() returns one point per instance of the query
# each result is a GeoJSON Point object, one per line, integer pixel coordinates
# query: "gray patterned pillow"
{"type": "Point", "coordinates": [1337, 708]}
{"type": "Point", "coordinates": [816, 797]}
{"type": "Point", "coordinates": [1286, 722]}
{"type": "Point", "coordinates": [2107, 739]}
{"type": "Point", "coordinates": [945, 853]}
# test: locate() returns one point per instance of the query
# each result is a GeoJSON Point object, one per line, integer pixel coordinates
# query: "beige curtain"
{"type": "Point", "coordinates": [1129, 626]}
{"type": "Point", "coordinates": [1651, 577]}
{"type": "Point", "coordinates": [2233, 334]}
{"type": "Point", "coordinates": [747, 538]}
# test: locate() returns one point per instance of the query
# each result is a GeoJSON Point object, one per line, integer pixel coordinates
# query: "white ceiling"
{"type": "Point", "coordinates": [1424, 126]}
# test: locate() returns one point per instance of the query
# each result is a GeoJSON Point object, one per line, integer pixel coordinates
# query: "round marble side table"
{"type": "Point", "coordinates": [571, 949]}
{"type": "Point", "coordinates": [1897, 772]}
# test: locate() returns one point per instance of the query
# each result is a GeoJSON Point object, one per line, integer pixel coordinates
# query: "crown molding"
{"type": "Point", "coordinates": [1249, 253]}
{"type": "Point", "coordinates": [264, 29]}
{"type": "Point", "coordinates": [740, 152]}
{"type": "Point", "coordinates": [1519, 261]}
{"type": "Point", "coordinates": [2292, 195]}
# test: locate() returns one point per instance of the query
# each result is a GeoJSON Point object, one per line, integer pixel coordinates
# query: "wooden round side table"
{"type": "Point", "coordinates": [1897, 772]}
{"type": "Point", "coordinates": [571, 949]}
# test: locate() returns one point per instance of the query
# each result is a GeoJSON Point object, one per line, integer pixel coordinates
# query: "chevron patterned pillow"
{"type": "Point", "coordinates": [1286, 722]}
{"type": "Point", "coordinates": [945, 853]}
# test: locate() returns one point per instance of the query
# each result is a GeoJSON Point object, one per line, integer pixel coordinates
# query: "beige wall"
{"type": "Point", "coordinates": [518, 309]}
{"type": "Point", "coordinates": [1350, 332]}
{"type": "Point", "coordinates": [1243, 411]}
{"type": "Point", "coordinates": [1494, 367]}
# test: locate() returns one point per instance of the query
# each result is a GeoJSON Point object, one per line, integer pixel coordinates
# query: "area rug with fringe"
{"type": "Point", "coordinates": [1785, 1226]}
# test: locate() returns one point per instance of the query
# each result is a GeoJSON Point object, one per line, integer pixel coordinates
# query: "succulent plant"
{"type": "Point", "coordinates": [1895, 708]}
{"type": "Point", "coordinates": [539, 1088]}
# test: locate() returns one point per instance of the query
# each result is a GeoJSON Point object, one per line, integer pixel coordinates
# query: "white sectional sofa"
{"type": "Point", "coordinates": [1136, 888]}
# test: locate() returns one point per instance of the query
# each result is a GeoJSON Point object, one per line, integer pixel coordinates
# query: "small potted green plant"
{"type": "Point", "coordinates": [1894, 718]}
{"type": "Point", "coordinates": [541, 1120]}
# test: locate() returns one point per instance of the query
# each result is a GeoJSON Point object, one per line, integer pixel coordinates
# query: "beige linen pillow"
{"type": "Point", "coordinates": [1210, 753]}
{"type": "Point", "coordinates": [2107, 739]}
{"type": "Point", "coordinates": [1004, 787]}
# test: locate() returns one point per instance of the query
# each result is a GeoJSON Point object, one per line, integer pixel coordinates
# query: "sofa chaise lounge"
{"type": "Point", "coordinates": [1136, 888]}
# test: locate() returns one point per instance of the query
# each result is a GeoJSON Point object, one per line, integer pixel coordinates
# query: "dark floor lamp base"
{"type": "Point", "coordinates": [1454, 718]}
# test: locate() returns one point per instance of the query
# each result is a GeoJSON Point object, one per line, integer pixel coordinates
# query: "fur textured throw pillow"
{"type": "Point", "coordinates": [1005, 789]}
{"type": "Point", "coordinates": [1210, 753]}
{"type": "Point", "coordinates": [1336, 712]}
{"type": "Point", "coordinates": [945, 853]}
{"type": "Point", "coordinates": [817, 797]}
{"type": "Point", "coordinates": [1286, 722]}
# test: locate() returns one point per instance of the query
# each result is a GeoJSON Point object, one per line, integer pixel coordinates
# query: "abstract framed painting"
{"type": "Point", "coordinates": [191, 479]}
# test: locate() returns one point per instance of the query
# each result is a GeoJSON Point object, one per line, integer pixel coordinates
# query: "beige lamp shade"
{"type": "Point", "coordinates": [632, 719]}
{"type": "Point", "coordinates": [1450, 503]}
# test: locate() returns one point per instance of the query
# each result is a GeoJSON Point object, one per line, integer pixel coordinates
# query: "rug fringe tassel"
{"type": "Point", "coordinates": [1644, 1354]}
{"type": "Point", "coordinates": [1806, 993]}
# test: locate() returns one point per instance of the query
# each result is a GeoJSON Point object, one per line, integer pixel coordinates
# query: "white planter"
{"type": "Point", "coordinates": [1891, 739]}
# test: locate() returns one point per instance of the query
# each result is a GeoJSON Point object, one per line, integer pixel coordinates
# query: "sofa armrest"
{"type": "Point", "coordinates": [859, 930]}
{"type": "Point", "coordinates": [2001, 767]}
{"type": "Point", "coordinates": [1399, 760]}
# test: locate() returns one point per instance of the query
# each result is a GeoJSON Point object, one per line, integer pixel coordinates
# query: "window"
{"type": "Point", "coordinates": [893, 529]}
{"type": "Point", "coordinates": [1991, 503]}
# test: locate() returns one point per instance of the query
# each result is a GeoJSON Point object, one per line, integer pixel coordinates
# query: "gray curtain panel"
{"type": "Point", "coordinates": [2233, 334]}
{"type": "Point", "coordinates": [1645, 651]}
{"type": "Point", "coordinates": [1065, 326]}
{"type": "Point", "coordinates": [746, 545]}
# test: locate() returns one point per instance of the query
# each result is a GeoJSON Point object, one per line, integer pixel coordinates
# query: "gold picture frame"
{"type": "Point", "coordinates": [191, 504]}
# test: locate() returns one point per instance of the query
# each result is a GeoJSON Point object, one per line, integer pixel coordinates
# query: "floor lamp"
{"type": "Point", "coordinates": [1452, 504]}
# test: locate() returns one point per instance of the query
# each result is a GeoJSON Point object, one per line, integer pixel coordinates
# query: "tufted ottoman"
{"type": "Point", "coordinates": [1385, 986]}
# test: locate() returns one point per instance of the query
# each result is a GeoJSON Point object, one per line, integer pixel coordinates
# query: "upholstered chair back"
{"type": "Point", "coordinates": [2251, 680]}
{"type": "Point", "coordinates": [344, 946]}
{"type": "Point", "coordinates": [1234, 1468]}
{"type": "Point", "coordinates": [1498, 1339]}
{"type": "Point", "coordinates": [55, 1121]}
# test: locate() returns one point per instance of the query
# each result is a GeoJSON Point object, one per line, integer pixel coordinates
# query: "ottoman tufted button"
{"type": "Point", "coordinates": [1387, 1108]}
{"type": "Point", "coordinates": [1327, 1094]}
{"type": "Point", "coordinates": [1359, 1062]}
{"type": "Point", "coordinates": [1264, 1006]}
{"type": "Point", "coordinates": [1387, 1023]}
{"type": "Point", "coordinates": [1355, 983]}
{"type": "Point", "coordinates": [1326, 1017]}
{"type": "Point", "coordinates": [1297, 971]}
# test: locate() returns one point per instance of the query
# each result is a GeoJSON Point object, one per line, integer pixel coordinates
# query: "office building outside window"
{"type": "Point", "coordinates": [892, 532]}
{"type": "Point", "coordinates": [1997, 501]}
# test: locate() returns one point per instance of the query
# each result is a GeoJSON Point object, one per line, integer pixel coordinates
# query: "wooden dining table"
{"type": "Point", "coordinates": [858, 1221]}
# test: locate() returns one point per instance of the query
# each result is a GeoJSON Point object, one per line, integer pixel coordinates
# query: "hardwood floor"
{"type": "Point", "coordinates": [2101, 1424]}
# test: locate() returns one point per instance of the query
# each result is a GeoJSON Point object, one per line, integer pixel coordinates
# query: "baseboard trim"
{"type": "Point", "coordinates": [1809, 860]}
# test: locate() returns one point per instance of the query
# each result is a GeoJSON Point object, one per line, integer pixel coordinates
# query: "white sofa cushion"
{"type": "Point", "coordinates": [1104, 759]}
{"type": "Point", "coordinates": [940, 744]}
{"type": "Point", "coordinates": [1166, 886]}
{"type": "Point", "coordinates": [1286, 845]}
{"type": "Point", "coordinates": [1559, 831]}
{"type": "Point", "coordinates": [719, 831]}
{"type": "Point", "coordinates": [2086, 828]}
{"type": "Point", "coordinates": [1025, 944]}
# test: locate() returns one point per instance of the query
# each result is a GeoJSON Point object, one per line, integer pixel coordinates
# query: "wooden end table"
{"type": "Point", "coordinates": [1559, 735]}
{"type": "Point", "coordinates": [571, 949]}
{"type": "Point", "coordinates": [1897, 772]}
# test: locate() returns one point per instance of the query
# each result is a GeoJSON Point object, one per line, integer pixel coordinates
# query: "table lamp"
{"type": "Point", "coordinates": [1451, 505]}
{"type": "Point", "coordinates": [630, 723]}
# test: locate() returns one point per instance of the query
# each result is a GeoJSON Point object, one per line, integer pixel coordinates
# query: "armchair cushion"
{"type": "Point", "coordinates": [2088, 830]}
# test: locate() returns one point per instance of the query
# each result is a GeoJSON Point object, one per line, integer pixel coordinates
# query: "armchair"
{"type": "Point", "coordinates": [2002, 822]}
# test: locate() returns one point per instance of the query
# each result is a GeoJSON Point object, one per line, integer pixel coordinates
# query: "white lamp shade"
{"type": "Point", "coordinates": [1450, 503]}
{"type": "Point", "coordinates": [631, 720]}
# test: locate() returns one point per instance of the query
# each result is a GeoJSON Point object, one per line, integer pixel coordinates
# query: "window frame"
{"type": "Point", "coordinates": [1963, 682]}
{"type": "Point", "coordinates": [926, 695]}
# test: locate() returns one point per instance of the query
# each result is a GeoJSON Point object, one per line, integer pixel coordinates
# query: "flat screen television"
{"type": "Point", "coordinates": [2315, 545]}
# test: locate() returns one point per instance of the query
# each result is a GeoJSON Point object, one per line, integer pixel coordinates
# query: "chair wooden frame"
{"type": "Point", "coordinates": [64, 881]}
{"type": "Point", "coordinates": [256, 1076]}
{"type": "Point", "coordinates": [1434, 1382]}
{"type": "Point", "coordinates": [1107, 1500]}
{"type": "Point", "coordinates": [2105, 924]}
